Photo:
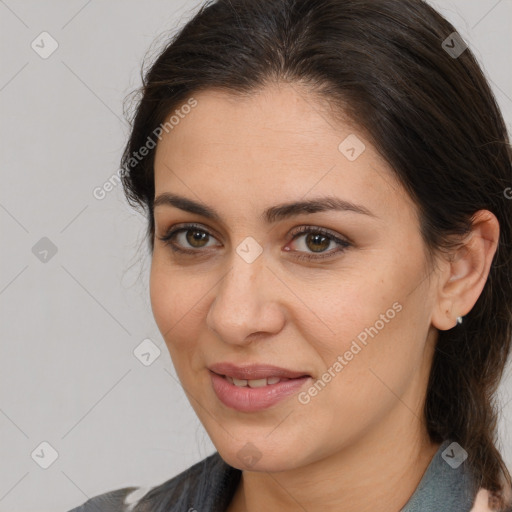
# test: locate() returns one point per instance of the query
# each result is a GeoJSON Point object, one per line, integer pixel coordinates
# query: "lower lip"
{"type": "Point", "coordinates": [248, 399]}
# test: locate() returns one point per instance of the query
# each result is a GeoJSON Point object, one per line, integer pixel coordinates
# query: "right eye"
{"type": "Point", "coordinates": [186, 237]}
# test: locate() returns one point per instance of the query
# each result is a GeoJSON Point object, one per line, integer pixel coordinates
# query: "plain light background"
{"type": "Point", "coordinates": [69, 325]}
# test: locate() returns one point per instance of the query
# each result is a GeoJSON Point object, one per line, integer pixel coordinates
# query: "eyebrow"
{"type": "Point", "coordinates": [270, 215]}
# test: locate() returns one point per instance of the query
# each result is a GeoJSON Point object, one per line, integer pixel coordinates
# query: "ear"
{"type": "Point", "coordinates": [464, 272]}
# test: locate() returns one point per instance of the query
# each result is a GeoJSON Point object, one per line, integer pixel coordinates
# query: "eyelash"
{"type": "Point", "coordinates": [168, 238]}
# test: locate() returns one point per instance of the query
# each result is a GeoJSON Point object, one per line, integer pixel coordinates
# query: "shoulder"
{"type": "Point", "coordinates": [192, 485]}
{"type": "Point", "coordinates": [112, 501]}
{"type": "Point", "coordinates": [484, 501]}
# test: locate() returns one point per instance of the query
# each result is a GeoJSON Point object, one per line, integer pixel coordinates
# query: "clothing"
{"type": "Point", "coordinates": [209, 486]}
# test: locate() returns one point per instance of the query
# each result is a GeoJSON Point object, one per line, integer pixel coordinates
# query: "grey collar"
{"type": "Point", "coordinates": [447, 484]}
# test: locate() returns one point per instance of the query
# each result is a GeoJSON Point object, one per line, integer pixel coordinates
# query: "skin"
{"type": "Point", "coordinates": [360, 444]}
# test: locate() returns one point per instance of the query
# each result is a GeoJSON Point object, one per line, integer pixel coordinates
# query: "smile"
{"type": "Point", "coordinates": [253, 395]}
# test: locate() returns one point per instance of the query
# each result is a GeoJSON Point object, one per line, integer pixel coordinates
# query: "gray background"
{"type": "Point", "coordinates": [70, 324]}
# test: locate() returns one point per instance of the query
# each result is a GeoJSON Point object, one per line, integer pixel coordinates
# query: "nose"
{"type": "Point", "coordinates": [247, 304]}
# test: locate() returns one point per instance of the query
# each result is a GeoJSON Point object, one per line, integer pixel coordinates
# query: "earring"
{"type": "Point", "coordinates": [459, 320]}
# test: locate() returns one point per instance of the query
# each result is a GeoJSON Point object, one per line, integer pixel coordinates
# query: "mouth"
{"type": "Point", "coordinates": [256, 383]}
{"type": "Point", "coordinates": [256, 387]}
{"type": "Point", "coordinates": [255, 375]}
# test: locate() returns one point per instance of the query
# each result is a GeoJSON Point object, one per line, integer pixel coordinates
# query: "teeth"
{"type": "Point", "coordinates": [255, 383]}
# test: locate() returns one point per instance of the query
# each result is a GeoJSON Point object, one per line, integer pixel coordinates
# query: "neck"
{"type": "Point", "coordinates": [378, 472]}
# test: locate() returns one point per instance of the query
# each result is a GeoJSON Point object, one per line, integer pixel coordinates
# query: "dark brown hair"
{"type": "Point", "coordinates": [431, 115]}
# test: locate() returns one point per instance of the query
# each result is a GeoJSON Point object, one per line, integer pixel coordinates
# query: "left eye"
{"type": "Point", "coordinates": [314, 241]}
{"type": "Point", "coordinates": [318, 240]}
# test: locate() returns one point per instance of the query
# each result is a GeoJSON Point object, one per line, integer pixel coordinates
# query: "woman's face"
{"type": "Point", "coordinates": [348, 307]}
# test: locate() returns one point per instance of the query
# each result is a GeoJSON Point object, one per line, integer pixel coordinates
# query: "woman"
{"type": "Point", "coordinates": [325, 184]}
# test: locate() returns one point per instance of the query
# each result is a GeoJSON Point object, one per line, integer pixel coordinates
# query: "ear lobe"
{"type": "Point", "coordinates": [465, 272]}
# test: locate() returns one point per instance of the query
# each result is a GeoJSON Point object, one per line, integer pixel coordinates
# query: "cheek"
{"type": "Point", "coordinates": [372, 316]}
{"type": "Point", "coordinates": [179, 302]}
{"type": "Point", "coordinates": [352, 301]}
{"type": "Point", "coordinates": [379, 342]}
{"type": "Point", "coordinates": [163, 296]}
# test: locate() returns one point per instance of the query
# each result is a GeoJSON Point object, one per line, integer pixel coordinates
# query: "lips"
{"type": "Point", "coordinates": [255, 372]}
{"type": "Point", "coordinates": [250, 399]}
{"type": "Point", "coordinates": [253, 388]}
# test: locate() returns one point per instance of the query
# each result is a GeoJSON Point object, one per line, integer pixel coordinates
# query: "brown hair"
{"type": "Point", "coordinates": [430, 114]}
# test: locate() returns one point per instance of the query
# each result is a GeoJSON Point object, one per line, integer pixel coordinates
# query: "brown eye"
{"type": "Point", "coordinates": [309, 240]}
{"type": "Point", "coordinates": [196, 237]}
{"type": "Point", "coordinates": [317, 242]}
{"type": "Point", "coordinates": [188, 239]}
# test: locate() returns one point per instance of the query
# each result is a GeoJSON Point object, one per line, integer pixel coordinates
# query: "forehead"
{"type": "Point", "coordinates": [279, 142]}
{"type": "Point", "coordinates": [277, 116]}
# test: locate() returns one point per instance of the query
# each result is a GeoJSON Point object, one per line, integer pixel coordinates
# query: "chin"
{"type": "Point", "coordinates": [247, 459]}
{"type": "Point", "coordinates": [259, 454]}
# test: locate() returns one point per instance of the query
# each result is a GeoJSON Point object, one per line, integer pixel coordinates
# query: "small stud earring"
{"type": "Point", "coordinates": [459, 320]}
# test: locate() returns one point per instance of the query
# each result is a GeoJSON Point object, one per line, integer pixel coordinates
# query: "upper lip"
{"type": "Point", "coordinates": [255, 371]}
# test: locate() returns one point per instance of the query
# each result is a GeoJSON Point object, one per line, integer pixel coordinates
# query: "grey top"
{"type": "Point", "coordinates": [210, 485]}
